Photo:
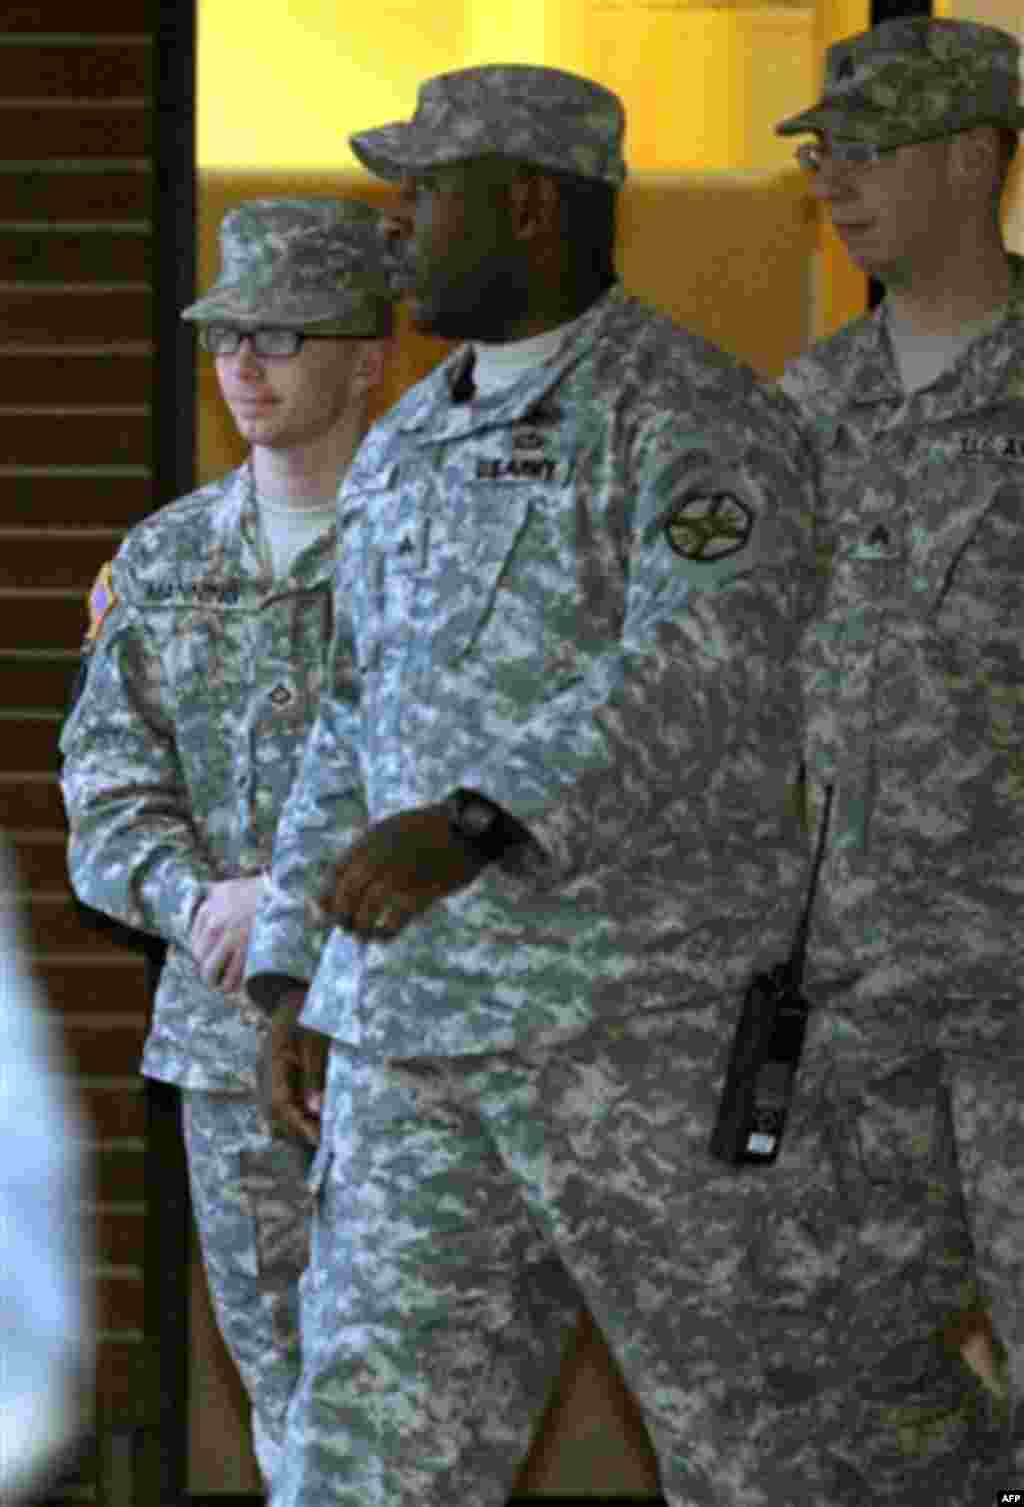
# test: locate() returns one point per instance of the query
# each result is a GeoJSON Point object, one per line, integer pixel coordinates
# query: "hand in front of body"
{"type": "Point", "coordinates": [219, 937]}
{"type": "Point", "coordinates": [293, 1071]}
{"type": "Point", "coordinates": [397, 870]}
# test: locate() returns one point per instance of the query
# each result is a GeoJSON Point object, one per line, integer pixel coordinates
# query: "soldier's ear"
{"type": "Point", "coordinates": [974, 159]}
{"type": "Point", "coordinates": [535, 205]}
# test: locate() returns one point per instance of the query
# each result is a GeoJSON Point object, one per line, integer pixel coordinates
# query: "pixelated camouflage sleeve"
{"type": "Point", "coordinates": [324, 813]}
{"type": "Point", "coordinates": [700, 692]}
{"type": "Point", "coordinates": [133, 851]}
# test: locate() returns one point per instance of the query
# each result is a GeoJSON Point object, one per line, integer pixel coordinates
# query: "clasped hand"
{"type": "Point", "coordinates": [397, 870]}
{"type": "Point", "coordinates": [219, 938]}
{"type": "Point", "coordinates": [293, 1071]}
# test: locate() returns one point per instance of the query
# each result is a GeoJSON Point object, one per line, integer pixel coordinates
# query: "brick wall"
{"type": "Point", "coordinates": [76, 372]}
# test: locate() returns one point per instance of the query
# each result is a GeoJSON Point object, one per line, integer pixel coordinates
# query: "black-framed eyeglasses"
{"type": "Point", "coordinates": [845, 154]}
{"type": "Point", "coordinates": [266, 340]}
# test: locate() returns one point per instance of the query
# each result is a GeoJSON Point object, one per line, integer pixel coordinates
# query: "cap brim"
{"type": "Point", "coordinates": [213, 306]}
{"type": "Point", "coordinates": [399, 151]}
{"type": "Point", "coordinates": [387, 151]}
{"type": "Point", "coordinates": [807, 120]}
{"type": "Point", "coordinates": [856, 124]}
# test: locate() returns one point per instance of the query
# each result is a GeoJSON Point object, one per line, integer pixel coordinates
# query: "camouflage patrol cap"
{"type": "Point", "coordinates": [916, 79]}
{"type": "Point", "coordinates": [303, 262]}
{"type": "Point", "coordinates": [542, 116]}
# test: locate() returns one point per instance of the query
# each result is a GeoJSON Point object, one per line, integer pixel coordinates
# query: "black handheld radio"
{"type": "Point", "coordinates": [766, 1047]}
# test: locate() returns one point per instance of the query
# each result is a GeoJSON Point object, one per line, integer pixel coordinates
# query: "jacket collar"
{"type": "Point", "coordinates": [980, 374]}
{"type": "Point", "coordinates": [439, 415]}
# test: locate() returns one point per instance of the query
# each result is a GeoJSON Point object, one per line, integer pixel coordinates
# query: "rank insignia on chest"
{"type": "Point", "coordinates": [101, 602]}
{"type": "Point", "coordinates": [709, 526]}
{"type": "Point", "coordinates": [281, 696]}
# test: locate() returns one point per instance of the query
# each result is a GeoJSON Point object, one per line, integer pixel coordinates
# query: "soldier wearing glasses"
{"type": "Point", "coordinates": [211, 629]}
{"type": "Point", "coordinates": [914, 683]}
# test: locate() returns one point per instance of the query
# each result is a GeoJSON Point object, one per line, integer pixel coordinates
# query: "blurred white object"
{"type": "Point", "coordinates": [45, 1328]}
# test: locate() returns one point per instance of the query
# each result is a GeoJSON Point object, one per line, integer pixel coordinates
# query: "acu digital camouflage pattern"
{"type": "Point", "coordinates": [251, 1208]}
{"type": "Point", "coordinates": [914, 79]}
{"type": "Point", "coordinates": [205, 672]}
{"type": "Point", "coordinates": [524, 625]}
{"type": "Point", "coordinates": [203, 683]}
{"type": "Point", "coordinates": [301, 262]}
{"type": "Point", "coordinates": [534, 612]}
{"type": "Point", "coordinates": [783, 1331]}
{"type": "Point", "coordinates": [914, 680]}
{"type": "Point", "coordinates": [542, 116]}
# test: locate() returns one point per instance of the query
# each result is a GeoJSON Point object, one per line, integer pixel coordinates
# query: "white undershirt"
{"type": "Point", "coordinates": [289, 527]}
{"type": "Point", "coordinates": [922, 359]}
{"type": "Point", "coordinates": [498, 366]}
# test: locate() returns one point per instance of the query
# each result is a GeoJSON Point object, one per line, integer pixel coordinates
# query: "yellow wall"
{"type": "Point", "coordinates": [702, 86]}
{"type": "Point", "coordinates": [281, 86]}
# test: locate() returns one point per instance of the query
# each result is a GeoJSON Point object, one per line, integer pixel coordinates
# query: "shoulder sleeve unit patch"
{"type": "Point", "coordinates": [101, 601]}
{"type": "Point", "coordinates": [708, 526]}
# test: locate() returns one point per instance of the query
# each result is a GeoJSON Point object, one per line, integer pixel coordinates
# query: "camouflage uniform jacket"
{"type": "Point", "coordinates": [915, 681]}
{"type": "Point", "coordinates": [579, 597]}
{"type": "Point", "coordinates": [180, 752]}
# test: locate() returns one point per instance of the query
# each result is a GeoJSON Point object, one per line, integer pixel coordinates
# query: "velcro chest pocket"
{"type": "Point", "coordinates": [468, 570]}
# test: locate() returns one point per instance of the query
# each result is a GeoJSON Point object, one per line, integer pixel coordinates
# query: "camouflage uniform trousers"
{"type": "Point", "coordinates": [783, 1329]}
{"type": "Point", "coordinates": [988, 1116]}
{"type": "Point", "coordinates": [251, 1204]}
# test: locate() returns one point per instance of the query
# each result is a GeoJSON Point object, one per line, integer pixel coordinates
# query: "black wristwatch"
{"type": "Point", "coordinates": [482, 826]}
